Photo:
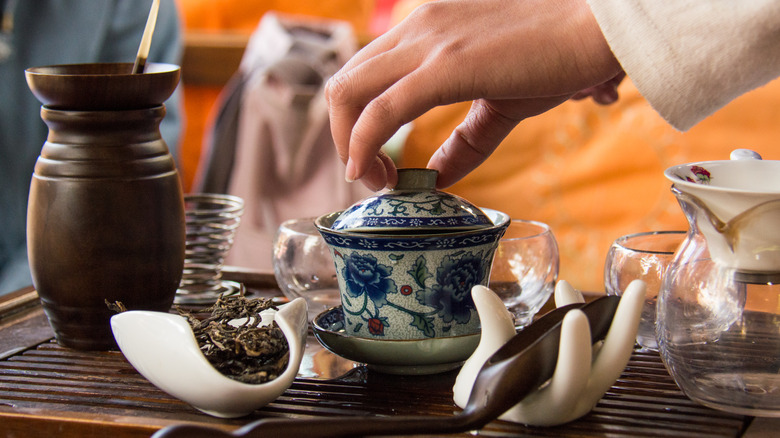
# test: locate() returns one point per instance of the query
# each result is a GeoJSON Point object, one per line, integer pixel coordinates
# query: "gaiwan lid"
{"type": "Point", "coordinates": [414, 206]}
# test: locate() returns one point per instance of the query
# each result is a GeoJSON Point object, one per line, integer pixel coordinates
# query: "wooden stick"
{"type": "Point", "coordinates": [146, 40]}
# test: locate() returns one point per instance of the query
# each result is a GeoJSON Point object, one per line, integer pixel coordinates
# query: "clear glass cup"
{"type": "Point", "coordinates": [303, 266]}
{"type": "Point", "coordinates": [642, 256]}
{"type": "Point", "coordinates": [525, 269]}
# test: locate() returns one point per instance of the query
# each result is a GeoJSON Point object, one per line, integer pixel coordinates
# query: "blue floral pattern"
{"type": "Point", "coordinates": [451, 294]}
{"type": "Point", "coordinates": [411, 209]}
{"type": "Point", "coordinates": [368, 282]}
{"type": "Point", "coordinates": [364, 276]}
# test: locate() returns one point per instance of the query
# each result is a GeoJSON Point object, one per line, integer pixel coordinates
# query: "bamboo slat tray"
{"type": "Point", "coordinates": [47, 390]}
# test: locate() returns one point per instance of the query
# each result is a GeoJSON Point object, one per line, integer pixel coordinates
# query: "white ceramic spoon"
{"type": "Point", "coordinates": [162, 347]}
{"type": "Point", "coordinates": [579, 380]}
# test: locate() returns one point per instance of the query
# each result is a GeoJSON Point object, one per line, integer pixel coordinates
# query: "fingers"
{"type": "Point", "coordinates": [366, 109]}
{"type": "Point", "coordinates": [376, 92]}
{"type": "Point", "coordinates": [486, 125]}
{"type": "Point", "coordinates": [356, 84]}
{"type": "Point", "coordinates": [603, 94]}
{"type": "Point", "coordinates": [381, 172]}
{"type": "Point", "coordinates": [443, 54]}
{"type": "Point", "coordinates": [470, 143]}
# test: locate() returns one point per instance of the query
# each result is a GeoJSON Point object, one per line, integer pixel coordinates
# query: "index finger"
{"type": "Point", "coordinates": [349, 90]}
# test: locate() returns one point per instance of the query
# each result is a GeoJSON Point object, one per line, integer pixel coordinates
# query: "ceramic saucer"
{"type": "Point", "coordinates": [418, 356]}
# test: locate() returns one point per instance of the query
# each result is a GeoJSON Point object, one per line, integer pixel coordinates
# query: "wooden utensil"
{"type": "Point", "coordinates": [146, 39]}
{"type": "Point", "coordinates": [519, 367]}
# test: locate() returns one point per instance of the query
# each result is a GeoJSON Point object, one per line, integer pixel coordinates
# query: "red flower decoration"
{"type": "Point", "coordinates": [698, 170]}
{"type": "Point", "coordinates": [406, 290]}
{"type": "Point", "coordinates": [702, 174]}
{"type": "Point", "coordinates": [376, 327]}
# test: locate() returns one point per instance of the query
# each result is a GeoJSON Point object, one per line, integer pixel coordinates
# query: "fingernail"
{"type": "Point", "coordinates": [349, 175]}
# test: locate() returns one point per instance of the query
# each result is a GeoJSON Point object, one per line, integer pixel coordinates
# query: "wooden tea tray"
{"type": "Point", "coordinates": [47, 390]}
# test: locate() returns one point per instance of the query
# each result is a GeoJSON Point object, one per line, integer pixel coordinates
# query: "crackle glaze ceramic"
{"type": "Point", "coordinates": [398, 356]}
{"type": "Point", "coordinates": [412, 280]}
{"type": "Point", "coordinates": [412, 206]}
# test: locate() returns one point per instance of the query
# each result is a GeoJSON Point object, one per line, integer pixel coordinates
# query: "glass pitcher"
{"type": "Point", "coordinates": [718, 323]}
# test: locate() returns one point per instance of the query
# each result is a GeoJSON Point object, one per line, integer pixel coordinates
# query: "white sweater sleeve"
{"type": "Point", "coordinates": [689, 58]}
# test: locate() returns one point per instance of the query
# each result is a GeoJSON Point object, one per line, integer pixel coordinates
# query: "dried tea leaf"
{"type": "Point", "coordinates": [116, 306]}
{"type": "Point", "coordinates": [248, 353]}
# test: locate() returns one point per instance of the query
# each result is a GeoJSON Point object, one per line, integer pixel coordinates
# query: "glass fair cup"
{"type": "Point", "coordinates": [525, 269]}
{"type": "Point", "coordinates": [303, 266]}
{"type": "Point", "coordinates": [642, 256]}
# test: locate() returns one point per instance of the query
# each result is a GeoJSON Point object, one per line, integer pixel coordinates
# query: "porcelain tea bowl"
{"type": "Point", "coordinates": [736, 204]}
{"type": "Point", "coordinates": [406, 260]}
{"type": "Point", "coordinates": [162, 347]}
{"type": "Point", "coordinates": [102, 86]}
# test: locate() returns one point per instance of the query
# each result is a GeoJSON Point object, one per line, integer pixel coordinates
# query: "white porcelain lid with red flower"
{"type": "Point", "coordinates": [413, 206]}
{"type": "Point", "coordinates": [729, 187]}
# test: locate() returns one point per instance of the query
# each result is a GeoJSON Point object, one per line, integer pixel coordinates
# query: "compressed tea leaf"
{"type": "Point", "coordinates": [248, 352]}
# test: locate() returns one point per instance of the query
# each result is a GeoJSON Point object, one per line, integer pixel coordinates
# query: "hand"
{"type": "Point", "coordinates": [603, 94]}
{"type": "Point", "coordinates": [513, 59]}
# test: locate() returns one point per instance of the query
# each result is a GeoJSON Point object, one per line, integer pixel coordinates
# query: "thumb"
{"type": "Point", "coordinates": [486, 125]}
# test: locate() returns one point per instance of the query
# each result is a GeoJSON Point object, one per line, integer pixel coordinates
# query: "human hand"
{"type": "Point", "coordinates": [513, 59]}
{"type": "Point", "coordinates": [603, 94]}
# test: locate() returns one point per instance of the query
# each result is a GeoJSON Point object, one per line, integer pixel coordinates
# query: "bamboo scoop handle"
{"type": "Point", "coordinates": [146, 40]}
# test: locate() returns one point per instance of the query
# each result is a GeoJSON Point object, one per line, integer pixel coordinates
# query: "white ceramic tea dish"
{"type": "Point", "coordinates": [406, 260]}
{"type": "Point", "coordinates": [583, 372]}
{"type": "Point", "coordinates": [162, 347]}
{"type": "Point", "coordinates": [737, 208]}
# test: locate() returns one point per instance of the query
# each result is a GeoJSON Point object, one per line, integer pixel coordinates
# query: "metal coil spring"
{"type": "Point", "coordinates": [211, 223]}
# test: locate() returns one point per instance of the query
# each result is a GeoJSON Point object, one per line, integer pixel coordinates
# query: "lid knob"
{"type": "Point", "coordinates": [416, 179]}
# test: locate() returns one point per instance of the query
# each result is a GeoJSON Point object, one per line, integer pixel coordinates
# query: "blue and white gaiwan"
{"type": "Point", "coordinates": [407, 258]}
